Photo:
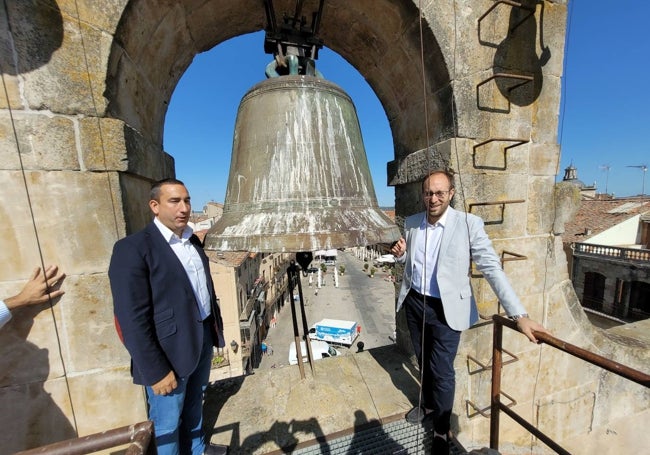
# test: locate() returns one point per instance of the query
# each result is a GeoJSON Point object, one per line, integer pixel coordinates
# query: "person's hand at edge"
{"type": "Point", "coordinates": [39, 289]}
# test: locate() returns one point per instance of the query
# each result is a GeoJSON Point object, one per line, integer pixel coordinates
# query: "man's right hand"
{"type": "Point", "coordinates": [399, 248]}
{"type": "Point", "coordinates": [166, 385]}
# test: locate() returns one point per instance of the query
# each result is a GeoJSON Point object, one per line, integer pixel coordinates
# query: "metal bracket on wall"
{"type": "Point", "coordinates": [511, 257]}
{"type": "Point", "coordinates": [515, 143]}
{"type": "Point", "coordinates": [484, 367]}
{"type": "Point", "coordinates": [475, 273]}
{"type": "Point", "coordinates": [485, 412]}
{"type": "Point", "coordinates": [511, 3]}
{"type": "Point", "coordinates": [521, 78]}
{"type": "Point", "coordinates": [501, 203]}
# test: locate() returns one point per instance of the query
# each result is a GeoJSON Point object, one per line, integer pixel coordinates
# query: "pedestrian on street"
{"type": "Point", "coordinates": [436, 252]}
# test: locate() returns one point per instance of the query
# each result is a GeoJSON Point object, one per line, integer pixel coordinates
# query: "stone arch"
{"type": "Point", "coordinates": [154, 44]}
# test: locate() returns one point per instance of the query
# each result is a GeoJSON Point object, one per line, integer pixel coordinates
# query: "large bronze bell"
{"type": "Point", "coordinates": [299, 177]}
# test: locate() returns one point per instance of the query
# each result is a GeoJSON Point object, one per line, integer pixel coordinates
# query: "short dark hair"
{"type": "Point", "coordinates": [154, 194]}
{"type": "Point", "coordinates": [447, 173]}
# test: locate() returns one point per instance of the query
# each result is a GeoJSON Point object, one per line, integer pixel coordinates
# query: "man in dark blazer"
{"type": "Point", "coordinates": [437, 297]}
{"type": "Point", "coordinates": [167, 316]}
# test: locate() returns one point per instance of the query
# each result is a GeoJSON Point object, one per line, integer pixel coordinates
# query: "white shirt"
{"type": "Point", "coordinates": [5, 314]}
{"type": "Point", "coordinates": [425, 256]}
{"type": "Point", "coordinates": [192, 263]}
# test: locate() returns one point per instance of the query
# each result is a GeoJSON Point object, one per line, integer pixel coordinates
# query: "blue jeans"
{"type": "Point", "coordinates": [178, 417]}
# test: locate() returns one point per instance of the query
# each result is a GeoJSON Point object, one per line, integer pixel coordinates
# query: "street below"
{"type": "Point", "coordinates": [369, 301]}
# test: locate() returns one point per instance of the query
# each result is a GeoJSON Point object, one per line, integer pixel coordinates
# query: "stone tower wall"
{"type": "Point", "coordinates": [86, 86]}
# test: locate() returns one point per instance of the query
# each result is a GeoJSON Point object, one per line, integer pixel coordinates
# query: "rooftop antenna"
{"type": "Point", "coordinates": [644, 168]}
{"type": "Point", "coordinates": [606, 168]}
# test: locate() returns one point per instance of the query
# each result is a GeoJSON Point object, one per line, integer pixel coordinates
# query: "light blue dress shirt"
{"type": "Point", "coordinates": [425, 257]}
{"type": "Point", "coordinates": [192, 263]}
{"type": "Point", "coordinates": [5, 314]}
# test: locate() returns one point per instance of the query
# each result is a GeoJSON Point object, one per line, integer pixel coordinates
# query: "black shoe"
{"type": "Point", "coordinates": [416, 415]}
{"type": "Point", "coordinates": [215, 449]}
{"type": "Point", "coordinates": [440, 446]}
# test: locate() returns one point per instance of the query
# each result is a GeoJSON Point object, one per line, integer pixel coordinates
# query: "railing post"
{"type": "Point", "coordinates": [495, 406]}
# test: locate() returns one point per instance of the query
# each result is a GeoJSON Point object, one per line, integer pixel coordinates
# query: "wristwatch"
{"type": "Point", "coordinates": [515, 317]}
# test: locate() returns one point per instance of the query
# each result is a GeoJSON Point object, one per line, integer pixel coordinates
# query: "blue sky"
{"type": "Point", "coordinates": [605, 111]}
{"type": "Point", "coordinates": [606, 95]}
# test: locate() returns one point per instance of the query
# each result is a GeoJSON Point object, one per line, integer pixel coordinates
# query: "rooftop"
{"type": "Point", "coordinates": [596, 216]}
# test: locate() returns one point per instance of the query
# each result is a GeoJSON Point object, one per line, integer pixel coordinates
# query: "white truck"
{"type": "Point", "coordinates": [335, 331]}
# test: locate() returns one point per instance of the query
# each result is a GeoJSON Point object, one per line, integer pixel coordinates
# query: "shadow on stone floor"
{"type": "Point", "coordinates": [262, 412]}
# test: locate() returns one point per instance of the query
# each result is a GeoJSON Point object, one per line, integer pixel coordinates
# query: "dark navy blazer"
{"type": "Point", "coordinates": [156, 312]}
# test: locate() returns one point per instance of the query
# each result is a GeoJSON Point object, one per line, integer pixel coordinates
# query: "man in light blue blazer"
{"type": "Point", "coordinates": [437, 296]}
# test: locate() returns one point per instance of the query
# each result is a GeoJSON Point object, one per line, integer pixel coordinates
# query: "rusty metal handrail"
{"type": "Point", "coordinates": [139, 436]}
{"type": "Point", "coordinates": [588, 356]}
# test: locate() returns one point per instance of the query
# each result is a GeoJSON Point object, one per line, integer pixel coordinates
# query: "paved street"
{"type": "Point", "coordinates": [368, 301]}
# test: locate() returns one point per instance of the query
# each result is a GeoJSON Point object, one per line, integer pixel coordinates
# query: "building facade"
{"type": "Point", "coordinates": [252, 290]}
{"type": "Point", "coordinates": [608, 246]}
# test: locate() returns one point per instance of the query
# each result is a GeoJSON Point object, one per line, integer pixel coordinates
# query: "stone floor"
{"type": "Point", "coordinates": [352, 404]}
{"type": "Point", "coordinates": [275, 408]}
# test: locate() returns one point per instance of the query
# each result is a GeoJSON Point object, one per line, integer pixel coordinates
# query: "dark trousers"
{"type": "Point", "coordinates": [435, 345]}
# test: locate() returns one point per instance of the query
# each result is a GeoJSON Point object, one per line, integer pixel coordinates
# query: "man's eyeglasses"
{"type": "Point", "coordinates": [437, 194]}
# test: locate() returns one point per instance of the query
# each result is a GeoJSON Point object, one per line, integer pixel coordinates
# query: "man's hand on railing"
{"type": "Point", "coordinates": [527, 326]}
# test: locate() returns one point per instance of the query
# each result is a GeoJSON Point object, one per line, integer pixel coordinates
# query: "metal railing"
{"type": "Point", "coordinates": [138, 436]}
{"type": "Point", "coordinates": [588, 356]}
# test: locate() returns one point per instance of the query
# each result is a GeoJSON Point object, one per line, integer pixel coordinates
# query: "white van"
{"type": "Point", "coordinates": [319, 350]}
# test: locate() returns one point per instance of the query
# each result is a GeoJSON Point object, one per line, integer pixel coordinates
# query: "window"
{"type": "Point", "coordinates": [639, 300]}
{"type": "Point", "coordinates": [645, 234]}
{"type": "Point", "coordinates": [593, 291]}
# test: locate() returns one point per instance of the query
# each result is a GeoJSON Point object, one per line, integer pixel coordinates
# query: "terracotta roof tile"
{"type": "Point", "coordinates": [596, 216]}
{"type": "Point", "coordinates": [228, 258]}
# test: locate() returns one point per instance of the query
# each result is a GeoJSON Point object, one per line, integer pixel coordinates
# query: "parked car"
{"type": "Point", "coordinates": [319, 350]}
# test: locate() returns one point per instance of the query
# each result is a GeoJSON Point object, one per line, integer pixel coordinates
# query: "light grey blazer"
{"type": "Point", "coordinates": [463, 235]}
